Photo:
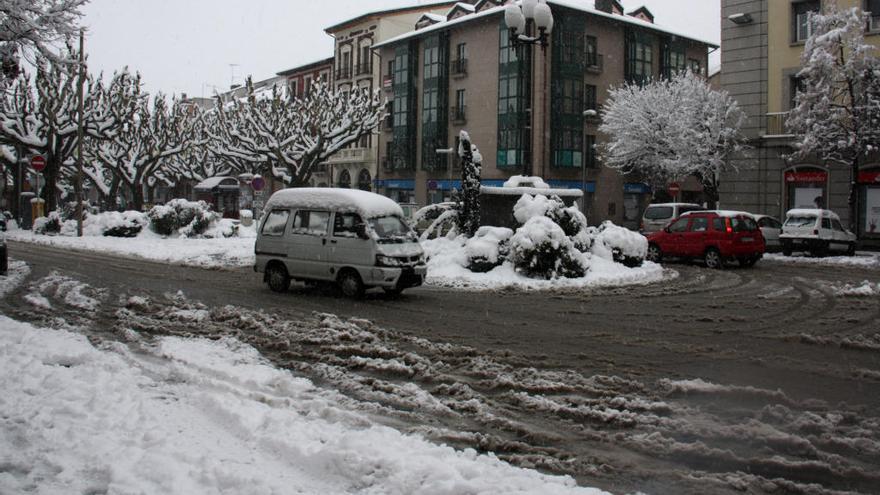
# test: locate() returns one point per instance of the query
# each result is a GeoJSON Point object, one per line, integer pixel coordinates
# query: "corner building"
{"type": "Point", "coordinates": [522, 106]}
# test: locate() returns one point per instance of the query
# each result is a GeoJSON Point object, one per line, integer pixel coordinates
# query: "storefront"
{"type": "Point", "coordinates": [636, 197]}
{"type": "Point", "coordinates": [869, 185]}
{"type": "Point", "coordinates": [806, 187]}
{"type": "Point", "coordinates": [221, 193]}
{"type": "Point", "coordinates": [400, 190]}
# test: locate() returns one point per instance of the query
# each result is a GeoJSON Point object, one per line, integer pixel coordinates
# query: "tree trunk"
{"type": "Point", "coordinates": [137, 197]}
{"type": "Point", "coordinates": [50, 177]}
{"type": "Point", "coordinates": [853, 197]}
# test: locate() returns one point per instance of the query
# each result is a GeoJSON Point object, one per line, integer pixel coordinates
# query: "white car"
{"type": "Point", "coordinates": [771, 229]}
{"type": "Point", "coordinates": [658, 216]}
{"type": "Point", "coordinates": [817, 232]}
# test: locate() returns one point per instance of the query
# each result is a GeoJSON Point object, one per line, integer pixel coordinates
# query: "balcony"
{"type": "Point", "coordinates": [458, 114]}
{"type": "Point", "coordinates": [595, 63]}
{"type": "Point", "coordinates": [343, 73]}
{"type": "Point", "coordinates": [459, 67]}
{"type": "Point", "coordinates": [349, 155]}
{"type": "Point", "coordinates": [363, 69]}
{"type": "Point", "coordinates": [775, 125]}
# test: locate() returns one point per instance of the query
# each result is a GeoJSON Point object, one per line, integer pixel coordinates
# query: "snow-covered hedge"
{"type": "Point", "coordinates": [179, 216]}
{"type": "Point", "coordinates": [48, 225]}
{"type": "Point", "coordinates": [488, 248]}
{"type": "Point", "coordinates": [540, 249]}
{"type": "Point", "coordinates": [109, 224]}
{"type": "Point", "coordinates": [620, 244]}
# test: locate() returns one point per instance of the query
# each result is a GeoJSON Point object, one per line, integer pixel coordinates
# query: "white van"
{"type": "Point", "coordinates": [356, 239]}
{"type": "Point", "coordinates": [817, 232]}
{"type": "Point", "coordinates": [657, 216]}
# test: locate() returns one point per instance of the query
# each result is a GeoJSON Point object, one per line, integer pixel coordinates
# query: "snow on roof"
{"type": "Point", "coordinates": [367, 204]}
{"type": "Point", "coordinates": [519, 191]}
{"type": "Point", "coordinates": [526, 181]}
{"type": "Point", "coordinates": [674, 204]}
{"type": "Point", "coordinates": [721, 213]}
{"type": "Point", "coordinates": [811, 212]}
{"type": "Point", "coordinates": [578, 5]}
{"type": "Point", "coordinates": [213, 182]}
{"type": "Point", "coordinates": [434, 17]}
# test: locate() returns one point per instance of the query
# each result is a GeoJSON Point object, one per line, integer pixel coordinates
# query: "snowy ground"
{"type": "Point", "coordinates": [862, 259]}
{"type": "Point", "coordinates": [191, 415]}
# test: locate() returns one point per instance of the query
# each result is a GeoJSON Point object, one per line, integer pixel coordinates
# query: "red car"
{"type": "Point", "coordinates": [713, 236]}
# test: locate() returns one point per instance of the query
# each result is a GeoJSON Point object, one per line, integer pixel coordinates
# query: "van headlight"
{"type": "Point", "coordinates": [389, 261]}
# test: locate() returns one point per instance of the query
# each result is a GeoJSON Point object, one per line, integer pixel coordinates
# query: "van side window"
{"type": "Point", "coordinates": [836, 224]}
{"type": "Point", "coordinates": [310, 222]}
{"type": "Point", "coordinates": [345, 224]}
{"type": "Point", "coordinates": [275, 222]}
{"type": "Point", "coordinates": [826, 223]}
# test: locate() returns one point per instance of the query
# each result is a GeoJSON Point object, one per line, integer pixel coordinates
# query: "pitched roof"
{"type": "Point", "coordinates": [306, 67]}
{"type": "Point", "coordinates": [381, 13]}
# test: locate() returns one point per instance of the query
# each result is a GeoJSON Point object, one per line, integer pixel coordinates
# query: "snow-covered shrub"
{"type": "Point", "coordinates": [540, 249]}
{"type": "Point", "coordinates": [488, 248]}
{"type": "Point", "coordinates": [225, 227]}
{"type": "Point", "coordinates": [620, 244]}
{"type": "Point", "coordinates": [569, 218]}
{"type": "Point", "coordinates": [68, 210]}
{"type": "Point", "coordinates": [125, 224]}
{"type": "Point", "coordinates": [188, 218]}
{"type": "Point", "coordinates": [48, 225]}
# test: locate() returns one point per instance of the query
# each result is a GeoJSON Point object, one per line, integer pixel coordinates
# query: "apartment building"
{"type": "Point", "coordinates": [355, 65]}
{"type": "Point", "coordinates": [523, 107]}
{"type": "Point", "coordinates": [762, 43]}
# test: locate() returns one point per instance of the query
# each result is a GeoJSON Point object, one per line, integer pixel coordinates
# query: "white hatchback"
{"type": "Point", "coordinates": [817, 232]}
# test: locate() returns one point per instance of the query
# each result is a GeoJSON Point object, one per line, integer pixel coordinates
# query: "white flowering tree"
{"type": "Point", "coordinates": [290, 136]}
{"type": "Point", "coordinates": [837, 109]}
{"type": "Point", "coordinates": [40, 115]}
{"type": "Point", "coordinates": [35, 26]}
{"type": "Point", "coordinates": [667, 130]}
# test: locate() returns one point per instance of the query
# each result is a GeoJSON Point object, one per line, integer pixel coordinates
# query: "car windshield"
{"type": "Point", "coordinates": [800, 221]}
{"type": "Point", "coordinates": [658, 212]}
{"type": "Point", "coordinates": [392, 229]}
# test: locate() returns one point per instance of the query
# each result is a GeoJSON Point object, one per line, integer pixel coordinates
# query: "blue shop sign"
{"type": "Point", "coordinates": [636, 188]}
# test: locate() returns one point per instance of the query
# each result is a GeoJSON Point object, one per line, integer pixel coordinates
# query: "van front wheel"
{"type": "Point", "coordinates": [351, 285]}
{"type": "Point", "coordinates": [277, 277]}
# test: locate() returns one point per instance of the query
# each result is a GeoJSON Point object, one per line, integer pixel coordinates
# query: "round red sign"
{"type": "Point", "coordinates": [38, 163]}
{"type": "Point", "coordinates": [674, 189]}
{"type": "Point", "coordinates": [258, 183]}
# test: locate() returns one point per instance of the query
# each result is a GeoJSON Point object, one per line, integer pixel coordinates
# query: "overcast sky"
{"type": "Point", "coordinates": [189, 46]}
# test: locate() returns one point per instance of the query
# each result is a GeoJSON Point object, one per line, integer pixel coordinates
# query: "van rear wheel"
{"type": "Point", "coordinates": [351, 284]}
{"type": "Point", "coordinates": [277, 277]}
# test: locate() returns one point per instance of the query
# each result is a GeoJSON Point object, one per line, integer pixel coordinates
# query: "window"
{"type": "Point", "coordinates": [674, 59]}
{"type": "Point", "coordinates": [679, 225]}
{"type": "Point", "coordinates": [590, 97]}
{"type": "Point", "coordinates": [826, 223]}
{"type": "Point", "coordinates": [459, 113]}
{"type": "Point", "coordinates": [311, 222]}
{"type": "Point", "coordinates": [435, 101]}
{"type": "Point", "coordinates": [718, 224]}
{"type": "Point", "coordinates": [590, 145]}
{"type": "Point", "coordinates": [344, 180]}
{"type": "Point", "coordinates": [514, 96]}
{"type": "Point", "coordinates": [307, 85]}
{"type": "Point", "coordinates": [461, 51]}
{"type": "Point", "coordinates": [700, 224]}
{"type": "Point", "coordinates": [795, 85]}
{"type": "Point", "coordinates": [366, 66]}
{"type": "Point", "coordinates": [294, 88]}
{"type": "Point", "coordinates": [695, 66]}
{"type": "Point", "coordinates": [404, 119]}
{"type": "Point", "coordinates": [873, 9]}
{"type": "Point", "coordinates": [275, 222]}
{"type": "Point", "coordinates": [639, 57]}
{"type": "Point", "coordinates": [801, 16]}
{"type": "Point", "coordinates": [346, 224]}
{"type": "Point", "coordinates": [365, 181]}
{"type": "Point", "coordinates": [592, 51]}
{"type": "Point", "coordinates": [835, 224]}
{"type": "Point", "coordinates": [567, 93]}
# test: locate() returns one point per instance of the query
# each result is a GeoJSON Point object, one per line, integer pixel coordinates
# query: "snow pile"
{"type": "Point", "coordinates": [110, 223]}
{"type": "Point", "coordinates": [620, 244]}
{"type": "Point", "coordinates": [526, 181]}
{"type": "Point", "coordinates": [866, 289]}
{"type": "Point", "coordinates": [16, 272]}
{"type": "Point", "coordinates": [200, 416]}
{"type": "Point", "coordinates": [861, 260]}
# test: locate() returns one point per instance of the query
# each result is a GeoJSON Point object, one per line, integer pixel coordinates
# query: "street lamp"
{"type": "Point", "coordinates": [519, 19]}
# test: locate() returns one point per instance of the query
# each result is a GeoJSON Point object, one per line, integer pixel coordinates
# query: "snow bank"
{"type": "Point", "coordinates": [861, 260]}
{"type": "Point", "coordinates": [199, 416]}
{"type": "Point", "coordinates": [367, 204]}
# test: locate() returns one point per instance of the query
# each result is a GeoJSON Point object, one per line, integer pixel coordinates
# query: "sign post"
{"type": "Point", "coordinates": [673, 190]}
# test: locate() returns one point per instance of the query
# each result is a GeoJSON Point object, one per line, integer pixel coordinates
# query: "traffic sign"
{"type": "Point", "coordinates": [673, 189]}
{"type": "Point", "coordinates": [38, 163]}
{"type": "Point", "coordinates": [258, 183]}
{"type": "Point", "coordinates": [432, 185]}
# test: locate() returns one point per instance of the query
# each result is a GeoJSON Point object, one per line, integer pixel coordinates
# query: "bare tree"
{"type": "Point", "coordinates": [35, 26]}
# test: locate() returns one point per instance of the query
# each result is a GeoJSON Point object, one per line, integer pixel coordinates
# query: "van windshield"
{"type": "Point", "coordinates": [392, 230]}
{"type": "Point", "coordinates": [658, 212]}
{"type": "Point", "coordinates": [801, 221]}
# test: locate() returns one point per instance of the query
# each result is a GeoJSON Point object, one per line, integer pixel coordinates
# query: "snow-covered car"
{"type": "Point", "coordinates": [817, 232]}
{"type": "Point", "coordinates": [771, 228]}
{"type": "Point", "coordinates": [658, 216]}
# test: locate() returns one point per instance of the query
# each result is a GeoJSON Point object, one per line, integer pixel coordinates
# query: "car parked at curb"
{"type": "Point", "coordinates": [816, 231]}
{"type": "Point", "coordinates": [771, 228]}
{"type": "Point", "coordinates": [657, 216]}
{"type": "Point", "coordinates": [714, 237]}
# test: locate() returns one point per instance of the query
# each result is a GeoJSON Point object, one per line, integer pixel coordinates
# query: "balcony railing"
{"type": "Point", "coordinates": [459, 67]}
{"type": "Point", "coordinates": [459, 115]}
{"type": "Point", "coordinates": [595, 63]}
{"type": "Point", "coordinates": [775, 124]}
{"type": "Point", "coordinates": [361, 69]}
{"type": "Point", "coordinates": [343, 73]}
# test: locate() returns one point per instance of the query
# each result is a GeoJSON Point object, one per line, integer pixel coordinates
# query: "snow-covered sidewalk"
{"type": "Point", "coordinates": [860, 260]}
{"type": "Point", "coordinates": [198, 416]}
{"type": "Point", "coordinates": [205, 253]}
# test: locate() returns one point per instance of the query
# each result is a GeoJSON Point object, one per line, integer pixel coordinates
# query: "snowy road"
{"type": "Point", "coordinates": [741, 381]}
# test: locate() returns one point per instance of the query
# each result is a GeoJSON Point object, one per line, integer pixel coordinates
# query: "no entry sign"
{"type": "Point", "coordinates": [674, 189]}
{"type": "Point", "coordinates": [38, 163]}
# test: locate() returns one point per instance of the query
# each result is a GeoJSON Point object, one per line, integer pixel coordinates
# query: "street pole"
{"type": "Point", "coordinates": [79, 137]}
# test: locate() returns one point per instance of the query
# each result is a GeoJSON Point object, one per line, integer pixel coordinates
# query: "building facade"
{"type": "Point", "coordinates": [356, 66]}
{"type": "Point", "coordinates": [762, 44]}
{"type": "Point", "coordinates": [524, 107]}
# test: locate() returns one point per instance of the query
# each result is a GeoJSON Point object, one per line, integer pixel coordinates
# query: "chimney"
{"type": "Point", "coordinates": [609, 6]}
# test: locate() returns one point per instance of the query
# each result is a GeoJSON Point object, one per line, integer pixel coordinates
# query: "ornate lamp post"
{"type": "Point", "coordinates": [521, 21]}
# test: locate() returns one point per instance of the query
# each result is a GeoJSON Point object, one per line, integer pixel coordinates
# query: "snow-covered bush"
{"type": "Point", "coordinates": [540, 249]}
{"type": "Point", "coordinates": [48, 225]}
{"type": "Point", "coordinates": [620, 245]}
{"type": "Point", "coordinates": [125, 224]}
{"type": "Point", "coordinates": [188, 218]}
{"type": "Point", "coordinates": [569, 218]}
{"type": "Point", "coordinates": [488, 248]}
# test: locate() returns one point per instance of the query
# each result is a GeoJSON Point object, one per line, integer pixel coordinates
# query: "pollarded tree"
{"type": "Point", "coordinates": [837, 109]}
{"type": "Point", "coordinates": [469, 206]}
{"type": "Point", "coordinates": [670, 129]}
{"type": "Point", "coordinates": [290, 136]}
{"type": "Point", "coordinates": [41, 115]}
{"type": "Point", "coordinates": [35, 26]}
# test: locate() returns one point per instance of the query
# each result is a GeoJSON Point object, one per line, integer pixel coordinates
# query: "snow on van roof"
{"type": "Point", "coordinates": [811, 212]}
{"type": "Point", "coordinates": [367, 204]}
{"type": "Point", "coordinates": [721, 213]}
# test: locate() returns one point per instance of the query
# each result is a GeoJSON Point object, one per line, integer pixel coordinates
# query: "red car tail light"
{"type": "Point", "coordinates": [729, 228]}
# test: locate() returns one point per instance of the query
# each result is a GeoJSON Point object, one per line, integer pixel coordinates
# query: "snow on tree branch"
{"type": "Point", "coordinates": [35, 26]}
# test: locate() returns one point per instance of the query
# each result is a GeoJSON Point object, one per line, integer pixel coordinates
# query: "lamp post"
{"type": "Point", "coordinates": [520, 22]}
